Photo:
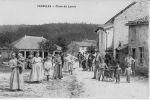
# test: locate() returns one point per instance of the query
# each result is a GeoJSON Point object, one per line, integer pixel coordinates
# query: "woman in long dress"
{"type": "Point", "coordinates": [16, 78]}
{"type": "Point", "coordinates": [37, 72]}
{"type": "Point", "coordinates": [58, 67]}
{"type": "Point", "coordinates": [65, 68]}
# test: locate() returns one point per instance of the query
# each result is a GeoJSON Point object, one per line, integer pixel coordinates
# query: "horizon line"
{"type": "Point", "coordinates": [52, 23]}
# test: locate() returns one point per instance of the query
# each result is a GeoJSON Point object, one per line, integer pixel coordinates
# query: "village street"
{"type": "Point", "coordinates": [78, 85]}
{"type": "Point", "coordinates": [109, 90]}
{"type": "Point", "coordinates": [65, 88]}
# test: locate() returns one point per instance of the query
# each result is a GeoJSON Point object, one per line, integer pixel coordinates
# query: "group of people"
{"type": "Point", "coordinates": [100, 64]}
{"type": "Point", "coordinates": [52, 66]}
{"type": "Point", "coordinates": [55, 65]}
{"type": "Point", "coordinates": [86, 61]}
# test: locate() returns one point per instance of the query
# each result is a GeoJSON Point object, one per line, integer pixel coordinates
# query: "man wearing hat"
{"type": "Point", "coordinates": [98, 60]}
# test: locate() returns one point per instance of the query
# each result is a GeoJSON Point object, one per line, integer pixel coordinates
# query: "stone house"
{"type": "Point", "coordinates": [117, 25]}
{"type": "Point", "coordinates": [138, 40]}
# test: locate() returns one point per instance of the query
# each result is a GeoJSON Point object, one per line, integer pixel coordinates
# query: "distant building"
{"type": "Point", "coordinates": [118, 29]}
{"type": "Point", "coordinates": [29, 44]}
{"type": "Point", "coordinates": [138, 40]}
{"type": "Point", "coordinates": [85, 44]}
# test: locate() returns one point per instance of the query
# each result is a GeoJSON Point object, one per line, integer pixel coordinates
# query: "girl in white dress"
{"type": "Point", "coordinates": [70, 60]}
{"type": "Point", "coordinates": [37, 72]}
{"type": "Point", "coordinates": [48, 67]}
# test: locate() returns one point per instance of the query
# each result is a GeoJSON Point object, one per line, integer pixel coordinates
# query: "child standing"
{"type": "Point", "coordinates": [118, 72]}
{"type": "Point", "coordinates": [70, 64]}
{"type": "Point", "coordinates": [128, 72]}
{"type": "Point", "coordinates": [48, 66]}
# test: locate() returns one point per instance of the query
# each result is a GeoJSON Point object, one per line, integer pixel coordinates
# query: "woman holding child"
{"type": "Point", "coordinates": [17, 66]}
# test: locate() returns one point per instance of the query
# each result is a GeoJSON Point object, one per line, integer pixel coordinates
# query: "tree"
{"type": "Point", "coordinates": [48, 45]}
{"type": "Point", "coordinates": [91, 49]}
{"type": "Point", "coordinates": [5, 39]}
{"type": "Point", "coordinates": [62, 43]}
{"type": "Point", "coordinates": [73, 48]}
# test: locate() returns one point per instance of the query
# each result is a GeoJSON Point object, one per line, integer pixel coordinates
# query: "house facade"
{"type": "Point", "coordinates": [117, 24]}
{"type": "Point", "coordinates": [138, 40]}
{"type": "Point", "coordinates": [85, 44]}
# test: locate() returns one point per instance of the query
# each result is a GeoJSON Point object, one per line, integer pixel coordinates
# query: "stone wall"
{"type": "Point", "coordinates": [138, 10]}
{"type": "Point", "coordinates": [140, 39]}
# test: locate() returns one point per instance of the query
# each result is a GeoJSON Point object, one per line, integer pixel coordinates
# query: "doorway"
{"type": "Point", "coordinates": [134, 53]}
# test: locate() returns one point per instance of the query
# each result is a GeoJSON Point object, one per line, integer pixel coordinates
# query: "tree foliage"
{"type": "Point", "coordinates": [48, 45]}
{"type": "Point", "coordinates": [69, 32]}
{"type": "Point", "coordinates": [62, 43]}
{"type": "Point", "coordinates": [73, 48]}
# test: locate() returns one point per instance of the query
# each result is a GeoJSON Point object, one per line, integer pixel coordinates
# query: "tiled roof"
{"type": "Point", "coordinates": [90, 41]}
{"type": "Point", "coordinates": [28, 42]}
{"type": "Point", "coordinates": [85, 44]}
{"type": "Point", "coordinates": [139, 21]}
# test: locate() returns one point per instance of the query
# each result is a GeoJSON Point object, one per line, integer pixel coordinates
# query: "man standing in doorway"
{"type": "Point", "coordinates": [98, 60]}
{"type": "Point", "coordinates": [129, 61]}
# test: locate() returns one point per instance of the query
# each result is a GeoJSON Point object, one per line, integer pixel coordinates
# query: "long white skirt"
{"type": "Point", "coordinates": [65, 68]}
{"type": "Point", "coordinates": [37, 72]}
{"type": "Point", "coordinates": [16, 79]}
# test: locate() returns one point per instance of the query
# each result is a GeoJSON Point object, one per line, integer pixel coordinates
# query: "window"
{"type": "Point", "coordinates": [141, 49]}
{"type": "Point", "coordinates": [132, 35]}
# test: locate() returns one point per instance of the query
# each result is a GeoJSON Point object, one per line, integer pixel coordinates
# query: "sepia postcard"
{"type": "Point", "coordinates": [85, 49]}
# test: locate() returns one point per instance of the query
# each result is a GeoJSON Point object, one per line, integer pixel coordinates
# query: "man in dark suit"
{"type": "Point", "coordinates": [98, 60]}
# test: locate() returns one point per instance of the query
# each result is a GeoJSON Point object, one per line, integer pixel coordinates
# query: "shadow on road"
{"type": "Point", "coordinates": [6, 90]}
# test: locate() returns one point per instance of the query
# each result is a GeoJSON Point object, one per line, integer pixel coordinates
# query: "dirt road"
{"type": "Point", "coordinates": [78, 85]}
{"type": "Point", "coordinates": [109, 90]}
{"type": "Point", "coordinates": [65, 88]}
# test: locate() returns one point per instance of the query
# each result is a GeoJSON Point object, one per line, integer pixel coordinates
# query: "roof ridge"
{"type": "Point", "coordinates": [15, 42]}
{"type": "Point", "coordinates": [33, 36]}
{"type": "Point", "coordinates": [134, 2]}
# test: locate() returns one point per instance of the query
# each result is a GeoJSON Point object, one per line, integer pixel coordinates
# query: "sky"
{"type": "Point", "coordinates": [15, 12]}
